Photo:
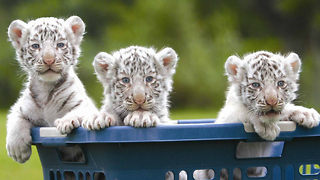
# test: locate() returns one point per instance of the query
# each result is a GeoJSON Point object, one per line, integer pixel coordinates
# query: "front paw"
{"type": "Point", "coordinates": [141, 119]}
{"type": "Point", "coordinates": [66, 124]}
{"type": "Point", "coordinates": [267, 131]}
{"type": "Point", "coordinates": [304, 116]}
{"type": "Point", "coordinates": [19, 148]}
{"type": "Point", "coordinates": [99, 121]}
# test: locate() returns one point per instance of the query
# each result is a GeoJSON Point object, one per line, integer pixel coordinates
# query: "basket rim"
{"type": "Point", "coordinates": [182, 130]}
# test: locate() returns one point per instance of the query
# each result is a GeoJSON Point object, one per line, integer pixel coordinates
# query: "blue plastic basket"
{"type": "Point", "coordinates": [122, 153]}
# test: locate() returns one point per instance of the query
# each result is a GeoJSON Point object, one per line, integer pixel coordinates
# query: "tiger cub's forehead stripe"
{"type": "Point", "coordinates": [136, 61]}
{"type": "Point", "coordinates": [264, 65]}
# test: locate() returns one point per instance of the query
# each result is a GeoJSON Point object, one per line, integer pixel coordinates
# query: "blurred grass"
{"type": "Point", "coordinates": [10, 169]}
{"type": "Point", "coordinates": [32, 169]}
{"type": "Point", "coordinates": [183, 114]}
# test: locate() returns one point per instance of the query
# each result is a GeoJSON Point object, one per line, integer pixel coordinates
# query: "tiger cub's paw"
{"type": "Point", "coordinates": [141, 119]}
{"type": "Point", "coordinates": [99, 121]}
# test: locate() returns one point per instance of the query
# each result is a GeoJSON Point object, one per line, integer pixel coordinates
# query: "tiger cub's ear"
{"type": "Point", "coordinates": [232, 68]}
{"type": "Point", "coordinates": [103, 64]}
{"type": "Point", "coordinates": [293, 65]}
{"type": "Point", "coordinates": [167, 59]}
{"type": "Point", "coordinates": [17, 31]}
{"type": "Point", "coordinates": [77, 27]}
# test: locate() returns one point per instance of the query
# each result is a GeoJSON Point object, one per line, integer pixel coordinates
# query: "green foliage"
{"type": "Point", "coordinates": [204, 33]}
{"type": "Point", "coordinates": [10, 169]}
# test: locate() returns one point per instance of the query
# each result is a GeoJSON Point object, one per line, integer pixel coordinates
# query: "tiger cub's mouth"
{"type": "Point", "coordinates": [50, 70]}
{"type": "Point", "coordinates": [141, 108]}
{"type": "Point", "coordinates": [272, 113]}
{"type": "Point", "coordinates": [50, 74]}
{"type": "Point", "coordinates": [136, 107]}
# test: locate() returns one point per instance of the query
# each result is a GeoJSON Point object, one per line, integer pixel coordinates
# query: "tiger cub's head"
{"type": "Point", "coordinates": [265, 82]}
{"type": "Point", "coordinates": [47, 47]}
{"type": "Point", "coordinates": [137, 78]}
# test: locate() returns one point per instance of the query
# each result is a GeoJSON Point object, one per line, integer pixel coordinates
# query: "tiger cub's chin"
{"type": "Point", "coordinates": [50, 76]}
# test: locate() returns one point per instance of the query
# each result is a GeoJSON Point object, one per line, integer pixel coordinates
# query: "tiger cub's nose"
{"type": "Point", "coordinates": [139, 94]}
{"type": "Point", "coordinates": [48, 59]}
{"type": "Point", "coordinates": [271, 96]}
{"type": "Point", "coordinates": [272, 101]}
{"type": "Point", "coordinates": [139, 98]}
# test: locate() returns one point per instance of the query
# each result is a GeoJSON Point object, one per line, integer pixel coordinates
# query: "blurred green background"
{"type": "Point", "coordinates": [203, 32]}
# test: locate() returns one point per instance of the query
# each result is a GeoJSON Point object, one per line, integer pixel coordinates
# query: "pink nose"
{"type": "Point", "coordinates": [48, 59]}
{"type": "Point", "coordinates": [272, 101]}
{"type": "Point", "coordinates": [139, 98]}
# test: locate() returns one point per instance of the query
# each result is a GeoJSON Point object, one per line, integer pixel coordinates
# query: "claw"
{"type": "Point", "coordinates": [109, 122]}
{"type": "Point", "coordinates": [301, 122]}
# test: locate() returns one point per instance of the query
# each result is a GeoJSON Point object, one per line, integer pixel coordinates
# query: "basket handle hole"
{"type": "Point", "coordinates": [99, 175]}
{"type": "Point", "coordinates": [183, 175]}
{"type": "Point", "coordinates": [51, 175]}
{"type": "Point", "coordinates": [169, 175]}
{"type": "Point", "coordinates": [80, 175]}
{"type": "Point", "coordinates": [72, 154]}
{"type": "Point", "coordinates": [270, 149]}
{"type": "Point", "coordinates": [69, 175]}
{"type": "Point", "coordinates": [88, 176]}
{"type": "Point", "coordinates": [237, 173]}
{"type": "Point", "coordinates": [224, 173]}
{"type": "Point", "coordinates": [203, 174]}
{"type": "Point", "coordinates": [256, 172]}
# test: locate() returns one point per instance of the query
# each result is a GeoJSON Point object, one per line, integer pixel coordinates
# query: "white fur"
{"type": "Point", "coordinates": [50, 98]}
{"type": "Point", "coordinates": [135, 63]}
{"type": "Point", "coordinates": [238, 109]}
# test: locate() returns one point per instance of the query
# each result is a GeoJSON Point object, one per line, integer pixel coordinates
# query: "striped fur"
{"type": "Point", "coordinates": [137, 82]}
{"type": "Point", "coordinates": [47, 49]}
{"type": "Point", "coordinates": [262, 87]}
{"type": "Point", "coordinates": [262, 84]}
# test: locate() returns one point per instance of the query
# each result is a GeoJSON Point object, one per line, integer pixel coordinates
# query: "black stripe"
{"type": "Point", "coordinates": [37, 123]}
{"type": "Point", "coordinates": [71, 83]}
{"type": "Point", "coordinates": [161, 116]}
{"type": "Point", "coordinates": [33, 97]}
{"type": "Point", "coordinates": [57, 86]}
{"type": "Point", "coordinates": [65, 102]}
{"type": "Point", "coordinates": [76, 105]}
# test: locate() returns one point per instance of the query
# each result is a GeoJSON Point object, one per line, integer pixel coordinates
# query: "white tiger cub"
{"type": "Point", "coordinates": [262, 87]}
{"type": "Point", "coordinates": [137, 82]}
{"type": "Point", "coordinates": [47, 50]}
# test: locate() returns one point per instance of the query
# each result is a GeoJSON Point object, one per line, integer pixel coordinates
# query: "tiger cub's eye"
{"type": "Point", "coordinates": [255, 85]}
{"type": "Point", "coordinates": [125, 80]}
{"type": "Point", "coordinates": [35, 46]}
{"type": "Point", "coordinates": [281, 83]}
{"type": "Point", "coordinates": [149, 78]}
{"type": "Point", "coordinates": [60, 45]}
